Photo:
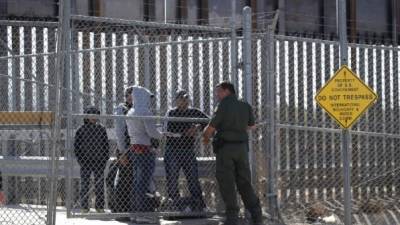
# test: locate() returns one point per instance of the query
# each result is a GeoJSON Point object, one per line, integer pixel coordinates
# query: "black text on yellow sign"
{"type": "Point", "coordinates": [345, 97]}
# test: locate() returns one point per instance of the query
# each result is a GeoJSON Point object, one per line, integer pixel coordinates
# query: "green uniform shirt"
{"type": "Point", "coordinates": [231, 119]}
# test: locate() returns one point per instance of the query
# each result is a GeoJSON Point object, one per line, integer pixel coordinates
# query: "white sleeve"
{"type": "Point", "coordinates": [151, 129]}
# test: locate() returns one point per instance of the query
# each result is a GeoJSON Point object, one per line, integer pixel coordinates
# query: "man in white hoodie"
{"type": "Point", "coordinates": [142, 156]}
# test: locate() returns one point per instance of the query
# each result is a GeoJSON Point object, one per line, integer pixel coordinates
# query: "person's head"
{"type": "Point", "coordinates": [182, 99]}
{"type": "Point", "coordinates": [142, 98]}
{"type": "Point", "coordinates": [224, 89]}
{"type": "Point", "coordinates": [91, 110]}
{"type": "Point", "coordinates": [128, 94]}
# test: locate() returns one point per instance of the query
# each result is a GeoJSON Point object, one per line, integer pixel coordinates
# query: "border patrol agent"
{"type": "Point", "coordinates": [231, 121]}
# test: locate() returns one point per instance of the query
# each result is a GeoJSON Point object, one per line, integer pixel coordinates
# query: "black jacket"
{"type": "Point", "coordinates": [91, 144]}
{"type": "Point", "coordinates": [183, 142]}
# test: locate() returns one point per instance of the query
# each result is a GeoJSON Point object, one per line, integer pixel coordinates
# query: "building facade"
{"type": "Point", "coordinates": [377, 19]}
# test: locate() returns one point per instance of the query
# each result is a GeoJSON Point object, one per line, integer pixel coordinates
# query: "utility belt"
{"type": "Point", "coordinates": [140, 149]}
{"type": "Point", "coordinates": [218, 143]}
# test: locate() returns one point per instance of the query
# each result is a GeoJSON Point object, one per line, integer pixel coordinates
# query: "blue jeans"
{"type": "Point", "coordinates": [185, 159]}
{"type": "Point", "coordinates": [98, 172]}
{"type": "Point", "coordinates": [143, 169]}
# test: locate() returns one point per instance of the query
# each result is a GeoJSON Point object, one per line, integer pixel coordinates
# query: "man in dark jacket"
{"type": "Point", "coordinates": [180, 153]}
{"type": "Point", "coordinates": [92, 151]}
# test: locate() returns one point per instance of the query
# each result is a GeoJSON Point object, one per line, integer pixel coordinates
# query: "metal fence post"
{"type": "Point", "coordinates": [345, 136]}
{"type": "Point", "coordinates": [68, 96]}
{"type": "Point", "coordinates": [233, 45]}
{"type": "Point", "coordinates": [56, 133]}
{"type": "Point", "coordinates": [271, 130]}
{"type": "Point", "coordinates": [248, 89]}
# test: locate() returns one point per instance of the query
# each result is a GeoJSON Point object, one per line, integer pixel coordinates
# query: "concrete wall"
{"type": "Point", "coordinates": [220, 12]}
{"type": "Point", "coordinates": [123, 9]}
{"type": "Point", "coordinates": [372, 16]}
{"type": "Point", "coordinates": [302, 16]}
{"type": "Point", "coordinates": [38, 8]}
{"type": "Point", "coordinates": [80, 7]}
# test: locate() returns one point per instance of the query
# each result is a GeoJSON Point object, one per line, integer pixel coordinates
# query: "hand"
{"type": "Point", "coordinates": [206, 140]}
{"type": "Point", "coordinates": [123, 160]}
{"type": "Point", "coordinates": [2, 198]}
{"type": "Point", "coordinates": [207, 134]}
{"type": "Point", "coordinates": [170, 134]}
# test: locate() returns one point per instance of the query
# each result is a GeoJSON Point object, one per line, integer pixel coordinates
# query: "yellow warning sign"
{"type": "Point", "coordinates": [345, 97]}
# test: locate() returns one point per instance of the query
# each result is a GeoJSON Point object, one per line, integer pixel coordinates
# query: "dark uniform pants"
{"type": "Point", "coordinates": [185, 159]}
{"type": "Point", "coordinates": [98, 172]}
{"type": "Point", "coordinates": [233, 170]}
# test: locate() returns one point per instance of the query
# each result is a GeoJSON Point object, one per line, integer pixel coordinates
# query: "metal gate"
{"type": "Point", "coordinates": [27, 105]}
{"type": "Point", "coordinates": [110, 55]}
{"type": "Point", "coordinates": [308, 149]}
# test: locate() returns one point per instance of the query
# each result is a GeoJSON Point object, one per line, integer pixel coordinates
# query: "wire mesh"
{"type": "Point", "coordinates": [310, 178]}
{"type": "Point", "coordinates": [112, 164]}
{"type": "Point", "coordinates": [27, 66]}
{"type": "Point", "coordinates": [162, 168]}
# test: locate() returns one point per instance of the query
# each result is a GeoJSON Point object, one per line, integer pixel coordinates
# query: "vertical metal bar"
{"type": "Point", "coordinates": [51, 67]}
{"type": "Point", "coordinates": [147, 66]}
{"type": "Point", "coordinates": [4, 81]}
{"type": "Point", "coordinates": [62, 33]}
{"type": "Point", "coordinates": [16, 83]}
{"type": "Point", "coordinates": [248, 73]}
{"type": "Point", "coordinates": [109, 78]}
{"type": "Point", "coordinates": [40, 87]}
{"type": "Point", "coordinates": [119, 67]}
{"type": "Point", "coordinates": [342, 28]}
{"type": "Point", "coordinates": [394, 22]}
{"type": "Point", "coordinates": [28, 72]}
{"type": "Point", "coordinates": [271, 135]}
{"type": "Point", "coordinates": [76, 99]}
{"type": "Point", "coordinates": [233, 45]}
{"type": "Point", "coordinates": [196, 72]}
{"type": "Point", "coordinates": [67, 78]}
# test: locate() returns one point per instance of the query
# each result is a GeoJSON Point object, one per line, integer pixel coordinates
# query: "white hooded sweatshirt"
{"type": "Point", "coordinates": [141, 131]}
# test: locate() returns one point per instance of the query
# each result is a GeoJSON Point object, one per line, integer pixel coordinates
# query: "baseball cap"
{"type": "Point", "coordinates": [91, 110]}
{"type": "Point", "coordinates": [181, 94]}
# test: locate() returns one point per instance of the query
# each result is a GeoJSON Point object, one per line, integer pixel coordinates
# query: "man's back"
{"type": "Point", "coordinates": [232, 118]}
{"type": "Point", "coordinates": [91, 143]}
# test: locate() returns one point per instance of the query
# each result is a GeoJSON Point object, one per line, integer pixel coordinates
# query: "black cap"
{"type": "Point", "coordinates": [92, 110]}
{"type": "Point", "coordinates": [181, 94]}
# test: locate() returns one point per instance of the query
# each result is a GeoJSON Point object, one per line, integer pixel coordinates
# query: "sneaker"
{"type": "Point", "coordinates": [100, 210]}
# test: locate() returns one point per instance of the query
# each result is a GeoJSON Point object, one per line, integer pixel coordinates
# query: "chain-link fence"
{"type": "Point", "coordinates": [179, 66]}
{"type": "Point", "coordinates": [119, 159]}
{"type": "Point", "coordinates": [308, 149]}
{"type": "Point", "coordinates": [27, 62]}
